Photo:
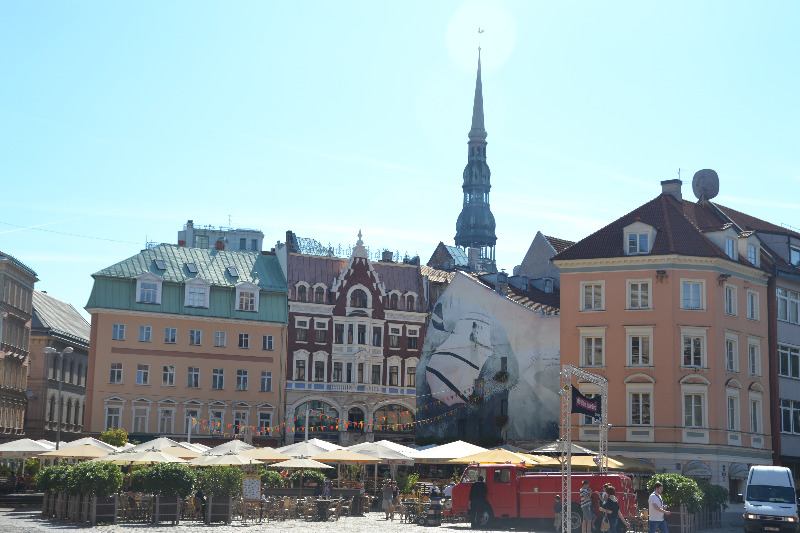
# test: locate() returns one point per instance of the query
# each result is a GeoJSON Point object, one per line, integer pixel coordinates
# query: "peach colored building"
{"type": "Point", "coordinates": [669, 303]}
{"type": "Point", "coordinates": [186, 337]}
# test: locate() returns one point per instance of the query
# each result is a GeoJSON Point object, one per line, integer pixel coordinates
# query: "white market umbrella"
{"type": "Point", "coordinates": [307, 448]}
{"type": "Point", "coordinates": [442, 454]}
{"type": "Point", "coordinates": [22, 448]}
{"type": "Point", "coordinates": [146, 457]}
{"type": "Point", "coordinates": [180, 451]}
{"type": "Point", "coordinates": [302, 463]}
{"type": "Point", "coordinates": [227, 459]}
{"type": "Point", "coordinates": [89, 440]}
{"type": "Point", "coordinates": [560, 446]}
{"type": "Point", "coordinates": [266, 455]}
{"type": "Point", "coordinates": [156, 444]}
{"type": "Point", "coordinates": [81, 451]}
{"type": "Point", "coordinates": [235, 446]}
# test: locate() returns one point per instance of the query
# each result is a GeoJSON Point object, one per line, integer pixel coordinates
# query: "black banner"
{"type": "Point", "coordinates": [587, 406]}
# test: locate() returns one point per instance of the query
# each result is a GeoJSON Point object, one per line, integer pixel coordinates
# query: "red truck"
{"type": "Point", "coordinates": [513, 493]}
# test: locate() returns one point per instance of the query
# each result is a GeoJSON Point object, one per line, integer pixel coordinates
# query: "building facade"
{"type": "Point", "coordinates": [220, 238]}
{"type": "Point", "coordinates": [16, 281]}
{"type": "Point", "coordinates": [188, 341]}
{"type": "Point", "coordinates": [670, 304]}
{"type": "Point", "coordinates": [57, 325]}
{"type": "Point", "coordinates": [355, 335]}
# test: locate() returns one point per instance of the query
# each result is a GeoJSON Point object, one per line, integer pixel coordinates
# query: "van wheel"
{"type": "Point", "coordinates": [482, 517]}
{"type": "Point", "coordinates": [575, 517]}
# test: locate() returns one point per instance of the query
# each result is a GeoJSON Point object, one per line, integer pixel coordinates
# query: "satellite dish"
{"type": "Point", "coordinates": [705, 184]}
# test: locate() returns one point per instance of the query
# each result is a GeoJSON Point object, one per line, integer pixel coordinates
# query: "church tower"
{"type": "Point", "coordinates": [475, 226]}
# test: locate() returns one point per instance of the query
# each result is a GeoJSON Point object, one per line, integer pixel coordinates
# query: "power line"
{"type": "Point", "coordinates": [69, 234]}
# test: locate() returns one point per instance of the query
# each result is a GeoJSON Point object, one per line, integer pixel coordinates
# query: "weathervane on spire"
{"type": "Point", "coordinates": [479, 38]}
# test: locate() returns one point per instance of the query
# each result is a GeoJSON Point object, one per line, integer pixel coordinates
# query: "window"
{"type": "Point", "coordinates": [264, 420]}
{"type": "Point", "coordinates": [338, 333]}
{"type": "Point", "coordinates": [267, 342]}
{"type": "Point", "coordinates": [190, 417]}
{"type": "Point", "coordinates": [301, 327]}
{"type": "Point", "coordinates": [754, 358]}
{"type": "Point", "coordinates": [193, 377]}
{"type": "Point", "coordinates": [693, 410]}
{"type": "Point", "coordinates": [376, 374]}
{"type": "Point", "coordinates": [232, 272]}
{"type": "Point", "coordinates": [587, 420]}
{"type": "Point", "coordinates": [358, 298]}
{"type": "Point", "coordinates": [243, 243]}
{"type": "Point", "coordinates": [733, 413]}
{"type": "Point", "coordinates": [752, 305]}
{"type": "Point", "coordinates": [693, 350]}
{"type": "Point", "coordinates": [752, 254]}
{"type": "Point", "coordinates": [218, 379]}
{"type": "Point", "coordinates": [319, 370]}
{"type": "Point", "coordinates": [241, 380]}
{"type": "Point", "coordinates": [592, 297]}
{"type": "Point", "coordinates": [362, 334]}
{"type": "Point", "coordinates": [139, 420]}
{"type": "Point", "coordinates": [113, 417]}
{"type": "Point", "coordinates": [361, 372]}
{"type": "Point", "coordinates": [755, 416]}
{"type": "Point", "coordinates": [592, 351]}
{"type": "Point", "coordinates": [691, 295]}
{"type": "Point", "coordinates": [299, 369]}
{"type": "Point", "coordinates": [195, 337]}
{"type": "Point", "coordinates": [410, 303]}
{"type": "Point", "coordinates": [350, 329]}
{"type": "Point", "coordinates": [413, 336]}
{"type": "Point", "coordinates": [393, 375]}
{"type": "Point", "coordinates": [788, 303]}
{"type": "Point", "coordinates": [239, 421]}
{"type": "Point", "coordinates": [168, 376]}
{"type": "Point", "coordinates": [788, 361]}
{"type": "Point", "coordinates": [244, 340]}
{"type": "Point", "coordinates": [731, 355]}
{"type": "Point", "coordinates": [196, 297]}
{"type": "Point", "coordinates": [118, 332]}
{"type": "Point", "coordinates": [142, 374]}
{"type": "Point", "coordinates": [215, 420]}
{"type": "Point", "coordinates": [320, 330]}
{"type": "Point", "coordinates": [301, 293]}
{"type": "Point", "coordinates": [730, 300]}
{"type": "Point", "coordinates": [116, 373]}
{"type": "Point", "coordinates": [144, 333]}
{"type": "Point", "coordinates": [247, 301]}
{"type": "Point", "coordinates": [337, 372]}
{"type": "Point", "coordinates": [377, 336]}
{"type": "Point", "coordinates": [411, 376]}
{"type": "Point", "coordinates": [640, 408]}
{"type": "Point", "coordinates": [638, 243]}
{"type": "Point", "coordinates": [730, 248]}
{"type": "Point", "coordinates": [148, 292]}
{"type": "Point", "coordinates": [170, 335]}
{"type": "Point", "coordinates": [266, 381]}
{"type": "Point", "coordinates": [393, 301]}
{"type": "Point", "coordinates": [192, 268]}
{"type": "Point", "coordinates": [319, 295]}
{"type": "Point", "coordinates": [794, 256]}
{"type": "Point", "coordinates": [165, 419]}
{"type": "Point", "coordinates": [639, 346]}
{"type": "Point", "coordinates": [220, 339]}
{"type": "Point", "coordinates": [638, 295]}
{"type": "Point", "coordinates": [394, 337]}
{"type": "Point", "coordinates": [254, 244]}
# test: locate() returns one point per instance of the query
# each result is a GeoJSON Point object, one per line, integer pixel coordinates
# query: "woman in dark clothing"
{"type": "Point", "coordinates": [611, 508]}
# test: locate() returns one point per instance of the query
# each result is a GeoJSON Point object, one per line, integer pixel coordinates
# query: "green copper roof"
{"type": "Point", "coordinates": [211, 265]}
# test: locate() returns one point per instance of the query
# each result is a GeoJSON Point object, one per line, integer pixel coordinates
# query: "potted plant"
{"type": "Point", "coordinates": [219, 485]}
{"type": "Point", "coordinates": [169, 482]}
{"type": "Point", "coordinates": [50, 480]}
{"type": "Point", "coordinates": [99, 484]}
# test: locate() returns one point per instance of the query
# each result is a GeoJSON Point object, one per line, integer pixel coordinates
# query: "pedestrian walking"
{"type": "Point", "coordinates": [386, 503]}
{"type": "Point", "coordinates": [657, 513]}
{"type": "Point", "coordinates": [586, 506]}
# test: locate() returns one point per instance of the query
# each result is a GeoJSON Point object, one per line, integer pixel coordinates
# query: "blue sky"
{"type": "Point", "coordinates": [119, 121]}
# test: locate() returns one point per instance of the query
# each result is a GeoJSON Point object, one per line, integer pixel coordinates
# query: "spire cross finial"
{"type": "Point", "coordinates": [479, 38]}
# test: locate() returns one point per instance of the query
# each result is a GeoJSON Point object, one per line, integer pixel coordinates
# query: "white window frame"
{"type": "Point", "coordinates": [753, 305]}
{"type": "Point", "coordinates": [754, 357]}
{"type": "Point", "coordinates": [242, 379]}
{"type": "Point", "coordinates": [215, 421]}
{"type": "Point", "coordinates": [220, 339]}
{"type": "Point", "coordinates": [637, 230]}
{"type": "Point", "coordinates": [732, 410]}
{"type": "Point", "coordinates": [189, 413]}
{"type": "Point", "coordinates": [791, 304]}
{"type": "Point", "coordinates": [640, 389]}
{"type": "Point", "coordinates": [298, 358]}
{"type": "Point", "coordinates": [149, 278]}
{"type": "Point", "coordinates": [730, 248]}
{"type": "Point", "coordinates": [755, 410]}
{"type": "Point", "coordinates": [410, 365]}
{"type": "Point", "coordinates": [170, 335]}
{"type": "Point", "coordinates": [640, 333]}
{"type": "Point", "coordinates": [595, 333]}
{"type": "Point", "coordinates": [117, 373]}
{"type": "Point", "coordinates": [118, 332]}
{"type": "Point", "coordinates": [245, 305]}
{"type": "Point", "coordinates": [142, 374]}
{"type": "Point", "coordinates": [696, 391]}
{"type": "Point", "coordinates": [731, 300]}
{"type": "Point", "coordinates": [117, 416]}
{"type": "Point", "coordinates": [218, 379]}
{"type": "Point", "coordinates": [731, 352]}
{"type": "Point", "coordinates": [701, 304]}
{"type": "Point", "coordinates": [752, 254]}
{"type": "Point", "coordinates": [629, 294]}
{"type": "Point", "coordinates": [140, 415]}
{"type": "Point", "coordinates": [240, 417]}
{"type": "Point", "coordinates": [792, 361]}
{"type": "Point", "coordinates": [268, 342]}
{"type": "Point", "coordinates": [166, 417]}
{"type": "Point", "coordinates": [197, 293]}
{"type": "Point", "coordinates": [593, 285]}
{"type": "Point", "coordinates": [145, 334]}
{"type": "Point", "coordinates": [195, 337]}
{"type": "Point", "coordinates": [700, 333]}
{"type": "Point", "coordinates": [244, 341]}
{"type": "Point", "coordinates": [261, 425]}
{"type": "Point", "coordinates": [193, 371]}
{"type": "Point", "coordinates": [266, 381]}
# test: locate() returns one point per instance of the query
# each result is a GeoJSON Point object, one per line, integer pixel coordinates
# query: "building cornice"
{"type": "Point", "coordinates": [175, 316]}
{"type": "Point", "coordinates": [310, 308]}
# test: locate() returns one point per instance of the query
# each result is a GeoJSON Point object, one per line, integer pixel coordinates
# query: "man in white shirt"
{"type": "Point", "coordinates": [448, 490]}
{"type": "Point", "coordinates": [656, 514]}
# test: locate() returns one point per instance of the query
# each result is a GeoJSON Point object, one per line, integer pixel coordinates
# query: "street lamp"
{"type": "Point", "coordinates": [52, 351]}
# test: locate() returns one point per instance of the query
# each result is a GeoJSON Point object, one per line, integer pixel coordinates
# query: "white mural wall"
{"type": "Point", "coordinates": [474, 333]}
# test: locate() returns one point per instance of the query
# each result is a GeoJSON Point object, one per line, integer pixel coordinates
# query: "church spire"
{"type": "Point", "coordinates": [475, 227]}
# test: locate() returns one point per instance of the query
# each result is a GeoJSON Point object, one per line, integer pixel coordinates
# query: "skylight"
{"type": "Point", "coordinates": [160, 264]}
{"type": "Point", "coordinates": [192, 268]}
{"type": "Point", "coordinates": [233, 272]}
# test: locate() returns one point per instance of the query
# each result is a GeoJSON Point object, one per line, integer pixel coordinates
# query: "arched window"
{"type": "Point", "coordinates": [409, 303]}
{"type": "Point", "coordinates": [394, 417]}
{"type": "Point", "coordinates": [301, 293]}
{"type": "Point", "coordinates": [319, 295]}
{"type": "Point", "coordinates": [319, 414]}
{"type": "Point", "coordinates": [358, 298]}
{"type": "Point", "coordinates": [393, 301]}
{"type": "Point", "coordinates": [355, 416]}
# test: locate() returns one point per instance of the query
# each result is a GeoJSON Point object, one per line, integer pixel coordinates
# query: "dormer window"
{"type": "Point", "coordinates": [160, 264]}
{"type": "Point", "coordinates": [358, 298]}
{"type": "Point", "coordinates": [192, 268]}
{"type": "Point", "coordinates": [148, 289]}
{"type": "Point", "coordinates": [730, 248]}
{"type": "Point", "coordinates": [232, 272]}
{"type": "Point", "coordinates": [752, 254]}
{"type": "Point", "coordinates": [247, 297]}
{"type": "Point", "coordinates": [548, 284]}
{"type": "Point", "coordinates": [794, 256]}
{"type": "Point", "coordinates": [638, 243]}
{"type": "Point", "coordinates": [639, 238]}
{"type": "Point", "coordinates": [301, 293]}
{"type": "Point", "coordinates": [197, 293]}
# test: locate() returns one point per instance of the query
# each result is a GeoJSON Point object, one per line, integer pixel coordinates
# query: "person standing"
{"type": "Point", "coordinates": [386, 504]}
{"type": "Point", "coordinates": [611, 508]}
{"type": "Point", "coordinates": [557, 514]}
{"type": "Point", "coordinates": [448, 490]}
{"type": "Point", "coordinates": [477, 500]}
{"type": "Point", "coordinates": [586, 506]}
{"type": "Point", "coordinates": [656, 512]}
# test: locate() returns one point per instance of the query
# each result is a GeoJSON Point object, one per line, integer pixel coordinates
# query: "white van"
{"type": "Point", "coordinates": [770, 503]}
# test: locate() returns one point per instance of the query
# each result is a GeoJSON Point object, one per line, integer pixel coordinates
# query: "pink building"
{"type": "Point", "coordinates": [669, 303]}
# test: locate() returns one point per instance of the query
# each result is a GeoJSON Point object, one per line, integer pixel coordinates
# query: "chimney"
{"type": "Point", "coordinates": [190, 224]}
{"type": "Point", "coordinates": [219, 245]}
{"type": "Point", "coordinates": [473, 259]}
{"type": "Point", "coordinates": [672, 187]}
{"type": "Point", "coordinates": [289, 239]}
{"type": "Point", "coordinates": [386, 256]}
{"type": "Point", "coordinates": [501, 286]}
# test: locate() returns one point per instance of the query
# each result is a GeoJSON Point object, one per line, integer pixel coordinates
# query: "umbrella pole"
{"type": "Point", "coordinates": [300, 494]}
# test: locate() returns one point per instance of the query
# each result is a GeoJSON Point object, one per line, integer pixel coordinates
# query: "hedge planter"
{"type": "Point", "coordinates": [103, 509]}
{"type": "Point", "coordinates": [219, 509]}
{"type": "Point", "coordinates": [73, 507]}
{"type": "Point", "coordinates": [46, 505]}
{"type": "Point", "coordinates": [167, 509]}
{"type": "Point", "coordinates": [61, 506]}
